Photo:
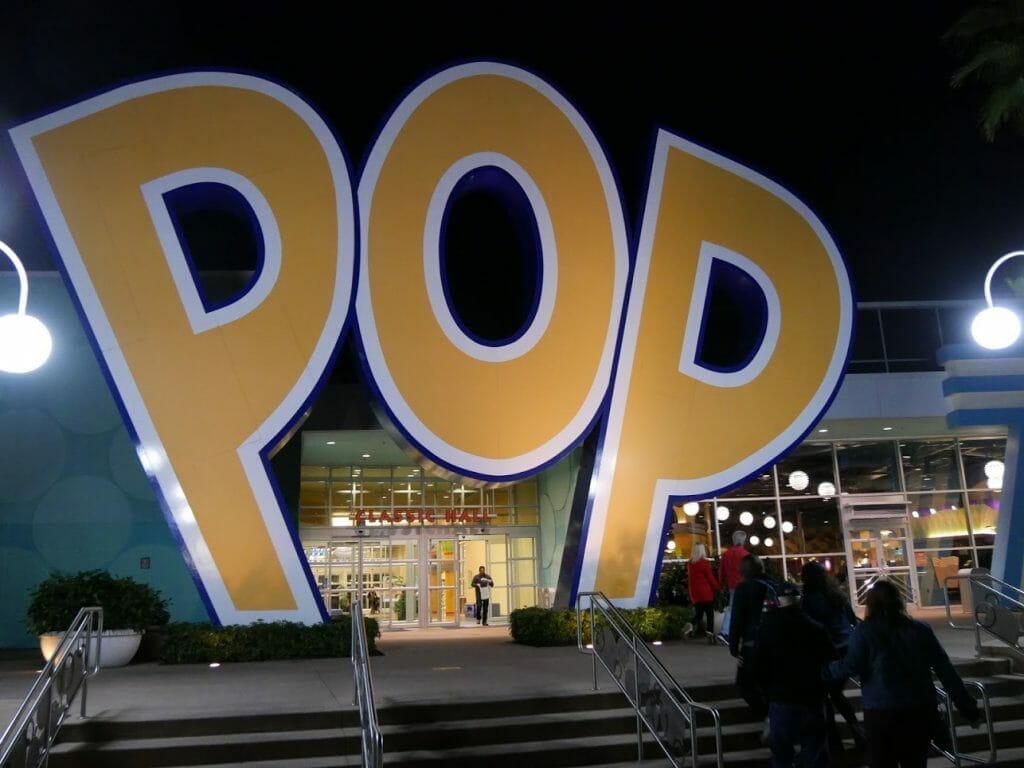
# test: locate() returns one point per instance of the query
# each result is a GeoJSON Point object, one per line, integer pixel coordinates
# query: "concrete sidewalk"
{"type": "Point", "coordinates": [473, 663]}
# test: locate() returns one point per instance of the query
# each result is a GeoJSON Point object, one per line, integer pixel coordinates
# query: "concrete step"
{"type": "Point", "coordinates": [596, 728]}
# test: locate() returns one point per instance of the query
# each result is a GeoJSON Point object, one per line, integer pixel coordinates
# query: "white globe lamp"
{"type": "Point", "coordinates": [691, 508]}
{"type": "Point", "coordinates": [722, 513]}
{"type": "Point", "coordinates": [25, 342]}
{"type": "Point", "coordinates": [798, 480]}
{"type": "Point", "coordinates": [746, 518]}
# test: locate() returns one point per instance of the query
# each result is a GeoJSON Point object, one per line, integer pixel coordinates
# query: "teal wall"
{"type": "Point", "coordinates": [556, 486]}
{"type": "Point", "coordinates": [73, 495]}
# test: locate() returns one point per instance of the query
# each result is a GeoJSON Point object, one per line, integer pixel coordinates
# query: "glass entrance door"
{"type": "Point", "coordinates": [880, 548]}
{"type": "Point", "coordinates": [442, 585]}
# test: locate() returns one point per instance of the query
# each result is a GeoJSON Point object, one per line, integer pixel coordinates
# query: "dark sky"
{"type": "Point", "coordinates": [846, 104]}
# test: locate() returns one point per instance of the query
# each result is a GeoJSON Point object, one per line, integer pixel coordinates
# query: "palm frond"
{"type": "Point", "coordinates": [1004, 104]}
{"type": "Point", "coordinates": [994, 58]}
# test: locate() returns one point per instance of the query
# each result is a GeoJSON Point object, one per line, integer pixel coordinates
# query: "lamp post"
{"type": "Point", "coordinates": [25, 342]}
{"type": "Point", "coordinates": [983, 388]}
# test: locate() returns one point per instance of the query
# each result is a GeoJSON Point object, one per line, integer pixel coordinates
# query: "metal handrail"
{"type": "Point", "coordinates": [998, 609]}
{"type": "Point", "coordinates": [372, 741]}
{"type": "Point", "coordinates": [27, 740]}
{"type": "Point", "coordinates": [660, 703]}
{"type": "Point", "coordinates": [954, 754]}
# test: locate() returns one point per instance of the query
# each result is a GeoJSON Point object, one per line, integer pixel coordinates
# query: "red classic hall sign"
{"type": "Point", "coordinates": [615, 334]}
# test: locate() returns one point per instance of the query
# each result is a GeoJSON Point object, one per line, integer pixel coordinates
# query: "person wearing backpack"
{"type": "Point", "coordinates": [748, 602]}
{"type": "Point", "coordinates": [894, 656]}
{"type": "Point", "coordinates": [789, 656]}
{"type": "Point", "coordinates": [826, 604]}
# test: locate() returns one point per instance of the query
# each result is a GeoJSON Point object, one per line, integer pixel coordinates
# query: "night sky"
{"type": "Point", "coordinates": [848, 105]}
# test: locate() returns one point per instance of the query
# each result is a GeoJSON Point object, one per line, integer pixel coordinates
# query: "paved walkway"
{"type": "Point", "coordinates": [416, 666]}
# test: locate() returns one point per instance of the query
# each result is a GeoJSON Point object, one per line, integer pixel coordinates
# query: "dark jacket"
{"type": "Point", "coordinates": [747, 605]}
{"type": "Point", "coordinates": [894, 663]}
{"type": "Point", "coordinates": [837, 618]}
{"type": "Point", "coordinates": [790, 655]}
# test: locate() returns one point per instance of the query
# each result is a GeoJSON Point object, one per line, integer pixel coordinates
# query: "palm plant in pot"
{"type": "Point", "coordinates": [129, 609]}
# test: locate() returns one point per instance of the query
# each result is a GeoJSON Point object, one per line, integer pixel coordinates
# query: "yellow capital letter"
{"type": "Point", "coordinates": [207, 390]}
{"type": "Point", "coordinates": [674, 427]}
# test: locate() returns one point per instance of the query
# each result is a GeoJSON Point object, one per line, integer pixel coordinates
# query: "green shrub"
{"type": "Point", "coordinates": [127, 604]}
{"type": "Point", "coordinates": [547, 627]}
{"type": "Point", "coordinates": [202, 643]}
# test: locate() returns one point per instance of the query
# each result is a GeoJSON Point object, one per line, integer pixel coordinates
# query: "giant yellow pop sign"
{"type": "Point", "coordinates": [207, 389]}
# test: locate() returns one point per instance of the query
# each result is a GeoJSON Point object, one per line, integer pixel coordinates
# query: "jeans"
{"type": "Point", "coordinates": [704, 611]}
{"type": "Point", "coordinates": [898, 737]}
{"type": "Point", "coordinates": [802, 724]}
{"type": "Point", "coordinates": [481, 610]}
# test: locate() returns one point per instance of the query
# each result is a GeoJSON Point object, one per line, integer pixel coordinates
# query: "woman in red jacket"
{"type": "Point", "coordinates": [703, 586]}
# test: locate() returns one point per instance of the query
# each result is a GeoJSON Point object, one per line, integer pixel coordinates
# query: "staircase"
{"type": "Point", "coordinates": [597, 729]}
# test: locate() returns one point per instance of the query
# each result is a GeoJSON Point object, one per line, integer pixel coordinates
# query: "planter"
{"type": "Point", "coordinates": [118, 648]}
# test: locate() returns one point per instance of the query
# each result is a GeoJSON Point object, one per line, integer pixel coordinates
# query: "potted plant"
{"type": "Point", "coordinates": [129, 608]}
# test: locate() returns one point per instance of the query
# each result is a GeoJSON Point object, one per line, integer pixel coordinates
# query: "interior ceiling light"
{"type": "Point", "coordinates": [769, 522]}
{"type": "Point", "coordinates": [768, 542]}
{"type": "Point", "coordinates": [722, 513]}
{"type": "Point", "coordinates": [691, 508]}
{"type": "Point", "coordinates": [827, 490]}
{"type": "Point", "coordinates": [787, 527]}
{"type": "Point", "coordinates": [754, 541]}
{"type": "Point", "coordinates": [994, 469]}
{"type": "Point", "coordinates": [798, 480]}
{"type": "Point", "coordinates": [746, 518]}
{"type": "Point", "coordinates": [887, 429]}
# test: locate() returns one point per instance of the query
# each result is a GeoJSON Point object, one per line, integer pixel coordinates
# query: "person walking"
{"type": "Point", "coordinates": [729, 570]}
{"type": "Point", "coordinates": [894, 657]}
{"type": "Point", "coordinates": [824, 602]}
{"type": "Point", "coordinates": [748, 602]}
{"type": "Point", "coordinates": [482, 583]}
{"type": "Point", "coordinates": [702, 585]}
{"type": "Point", "coordinates": [788, 658]}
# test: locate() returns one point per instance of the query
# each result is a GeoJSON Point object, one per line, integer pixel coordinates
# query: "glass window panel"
{"type": "Point", "coordinates": [525, 493]}
{"type": "Point", "coordinates": [313, 493]}
{"type": "Point", "coordinates": [523, 547]}
{"type": "Point", "coordinates": [527, 516]}
{"type": "Point", "coordinates": [956, 324]}
{"type": "Point", "coordinates": [407, 494]}
{"type": "Point", "coordinates": [934, 567]}
{"type": "Point", "coordinates": [984, 515]}
{"type": "Point", "coordinates": [812, 463]}
{"type": "Point", "coordinates": [979, 471]}
{"type": "Point", "coordinates": [938, 520]}
{"type": "Point", "coordinates": [811, 526]}
{"type": "Point", "coordinates": [501, 497]}
{"type": "Point", "coordinates": [985, 557]}
{"type": "Point", "coordinates": [377, 473]}
{"type": "Point", "coordinates": [762, 484]}
{"type": "Point", "coordinates": [929, 465]}
{"type": "Point", "coordinates": [867, 467]}
{"type": "Point", "coordinates": [524, 597]}
{"type": "Point", "coordinates": [501, 516]}
{"type": "Point", "coordinates": [313, 517]}
{"type": "Point", "coordinates": [372, 494]}
{"type": "Point", "coordinates": [748, 516]}
{"type": "Point", "coordinates": [834, 565]}
{"type": "Point", "coordinates": [523, 571]}
{"type": "Point", "coordinates": [437, 493]}
{"type": "Point", "coordinates": [313, 473]}
{"type": "Point", "coordinates": [341, 473]}
{"type": "Point", "coordinates": [466, 497]}
{"type": "Point", "coordinates": [341, 496]}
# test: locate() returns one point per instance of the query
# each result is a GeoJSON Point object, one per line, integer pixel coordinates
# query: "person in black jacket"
{"type": "Point", "coordinates": [823, 601]}
{"type": "Point", "coordinates": [747, 606]}
{"type": "Point", "coordinates": [789, 657]}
